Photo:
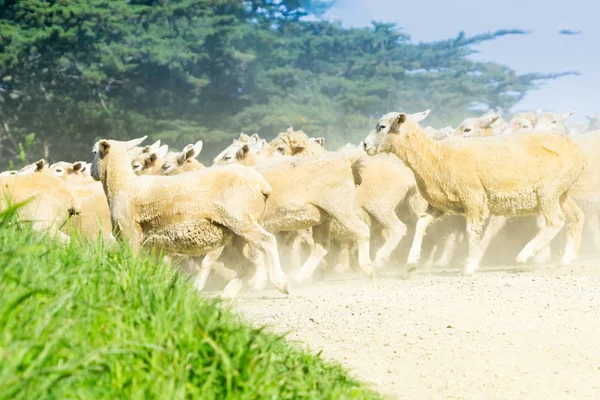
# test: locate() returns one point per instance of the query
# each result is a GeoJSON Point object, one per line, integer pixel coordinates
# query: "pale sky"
{"type": "Point", "coordinates": [544, 50]}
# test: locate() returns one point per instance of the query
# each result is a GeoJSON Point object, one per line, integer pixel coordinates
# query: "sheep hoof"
{"type": "Point", "coordinates": [369, 271]}
{"type": "Point", "coordinates": [232, 289]}
{"type": "Point", "coordinates": [410, 268]}
{"type": "Point", "coordinates": [284, 287]}
{"type": "Point", "coordinates": [471, 267]}
{"type": "Point", "coordinates": [565, 261]}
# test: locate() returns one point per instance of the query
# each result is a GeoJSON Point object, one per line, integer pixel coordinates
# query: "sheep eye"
{"type": "Point", "coordinates": [467, 130]}
{"type": "Point", "coordinates": [280, 149]}
{"type": "Point", "coordinates": [554, 122]}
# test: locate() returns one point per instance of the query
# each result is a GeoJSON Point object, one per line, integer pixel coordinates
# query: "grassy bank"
{"type": "Point", "coordinates": [78, 322]}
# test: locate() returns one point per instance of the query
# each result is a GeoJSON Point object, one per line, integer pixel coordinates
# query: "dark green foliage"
{"type": "Point", "coordinates": [79, 322]}
{"type": "Point", "coordinates": [182, 70]}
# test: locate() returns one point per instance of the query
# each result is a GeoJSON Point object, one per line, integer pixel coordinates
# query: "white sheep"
{"type": "Point", "coordinates": [488, 176]}
{"type": "Point", "coordinates": [184, 161]}
{"type": "Point", "coordinates": [47, 202]}
{"type": "Point", "coordinates": [188, 214]}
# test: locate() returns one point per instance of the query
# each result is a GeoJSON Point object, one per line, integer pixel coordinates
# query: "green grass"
{"type": "Point", "coordinates": [78, 322]}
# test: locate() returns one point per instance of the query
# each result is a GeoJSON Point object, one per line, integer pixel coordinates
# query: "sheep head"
{"type": "Point", "coordinates": [388, 125]}
{"type": "Point", "coordinates": [38, 166]}
{"type": "Point", "coordinates": [66, 170]}
{"type": "Point", "coordinates": [552, 121]}
{"type": "Point", "coordinates": [106, 150]}
{"type": "Point", "coordinates": [183, 161]}
{"type": "Point", "coordinates": [150, 161]}
{"type": "Point", "coordinates": [524, 121]}
{"type": "Point", "coordinates": [240, 150]}
{"type": "Point", "coordinates": [295, 143]}
{"type": "Point", "coordinates": [477, 127]}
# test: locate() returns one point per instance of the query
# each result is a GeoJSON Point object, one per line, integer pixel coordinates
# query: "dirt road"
{"type": "Point", "coordinates": [505, 333]}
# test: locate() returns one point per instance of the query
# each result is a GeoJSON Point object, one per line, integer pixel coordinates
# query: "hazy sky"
{"type": "Point", "coordinates": [544, 50]}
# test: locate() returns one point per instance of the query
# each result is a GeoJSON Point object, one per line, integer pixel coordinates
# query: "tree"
{"type": "Point", "coordinates": [182, 70]}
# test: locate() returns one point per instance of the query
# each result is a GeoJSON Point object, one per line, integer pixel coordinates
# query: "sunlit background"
{"type": "Point", "coordinates": [565, 36]}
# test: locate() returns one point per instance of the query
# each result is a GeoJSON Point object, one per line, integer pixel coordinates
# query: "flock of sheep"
{"type": "Point", "coordinates": [291, 190]}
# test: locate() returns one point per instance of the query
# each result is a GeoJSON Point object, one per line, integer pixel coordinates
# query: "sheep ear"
{"type": "Point", "coordinates": [242, 152]}
{"type": "Point", "coordinates": [152, 147]}
{"type": "Point", "coordinates": [255, 137]}
{"type": "Point", "coordinates": [190, 151]}
{"type": "Point", "coordinates": [102, 146]}
{"type": "Point", "coordinates": [39, 165]}
{"type": "Point", "coordinates": [162, 151]}
{"type": "Point", "coordinates": [566, 115]}
{"type": "Point", "coordinates": [420, 116]}
{"type": "Point", "coordinates": [198, 148]}
{"type": "Point", "coordinates": [290, 130]}
{"type": "Point", "coordinates": [320, 141]}
{"type": "Point", "coordinates": [134, 142]}
{"type": "Point", "coordinates": [401, 118]}
{"type": "Point", "coordinates": [79, 166]}
{"type": "Point", "coordinates": [244, 137]}
{"type": "Point", "coordinates": [259, 145]}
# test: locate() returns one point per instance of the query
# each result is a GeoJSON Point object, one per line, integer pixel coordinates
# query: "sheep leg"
{"type": "Point", "coordinates": [494, 226]}
{"type": "Point", "coordinates": [319, 250]}
{"type": "Point", "coordinates": [266, 244]}
{"type": "Point", "coordinates": [132, 233]}
{"type": "Point", "coordinates": [394, 232]}
{"type": "Point", "coordinates": [232, 289]}
{"type": "Point", "coordinates": [554, 221]}
{"type": "Point", "coordinates": [545, 254]}
{"type": "Point", "coordinates": [414, 254]}
{"type": "Point", "coordinates": [343, 264]}
{"type": "Point", "coordinates": [474, 229]}
{"type": "Point", "coordinates": [301, 236]}
{"type": "Point", "coordinates": [362, 234]}
{"type": "Point", "coordinates": [574, 219]}
{"type": "Point", "coordinates": [591, 220]}
{"type": "Point", "coordinates": [448, 250]}
{"type": "Point", "coordinates": [205, 266]}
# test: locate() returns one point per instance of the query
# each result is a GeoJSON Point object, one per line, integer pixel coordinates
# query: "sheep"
{"type": "Point", "coordinates": [585, 192]}
{"type": "Point", "coordinates": [550, 121]}
{"type": "Point", "coordinates": [295, 143]}
{"type": "Point", "coordinates": [293, 207]}
{"type": "Point", "coordinates": [386, 185]}
{"type": "Point", "coordinates": [247, 150]}
{"type": "Point", "coordinates": [189, 214]}
{"type": "Point", "coordinates": [481, 126]}
{"type": "Point", "coordinates": [94, 219]}
{"type": "Point", "coordinates": [464, 177]}
{"type": "Point", "coordinates": [185, 161]}
{"type": "Point", "coordinates": [48, 202]}
{"type": "Point", "coordinates": [71, 172]}
{"type": "Point", "coordinates": [38, 166]}
{"type": "Point", "coordinates": [330, 197]}
{"type": "Point", "coordinates": [150, 160]}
